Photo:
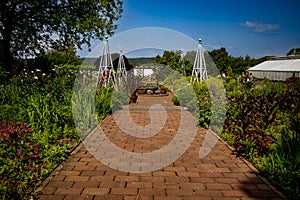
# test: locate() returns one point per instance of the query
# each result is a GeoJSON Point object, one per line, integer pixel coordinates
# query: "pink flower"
{"type": "Point", "coordinates": [19, 152]}
{"type": "Point", "coordinates": [39, 169]}
{"type": "Point", "coordinates": [26, 168]}
{"type": "Point", "coordinates": [6, 133]}
{"type": "Point", "coordinates": [33, 156]}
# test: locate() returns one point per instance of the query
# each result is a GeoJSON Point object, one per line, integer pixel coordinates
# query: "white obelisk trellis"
{"type": "Point", "coordinates": [182, 62]}
{"type": "Point", "coordinates": [106, 70]}
{"type": "Point", "coordinates": [121, 70]}
{"type": "Point", "coordinates": [199, 72]}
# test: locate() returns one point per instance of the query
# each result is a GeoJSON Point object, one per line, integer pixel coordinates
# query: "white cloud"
{"type": "Point", "coordinates": [260, 27]}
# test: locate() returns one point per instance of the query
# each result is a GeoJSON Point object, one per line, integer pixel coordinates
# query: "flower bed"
{"type": "Point", "coordinates": [37, 131]}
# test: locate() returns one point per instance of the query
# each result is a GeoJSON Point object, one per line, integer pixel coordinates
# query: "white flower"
{"type": "Point", "coordinates": [32, 71]}
{"type": "Point", "coordinates": [43, 74]}
{"type": "Point", "coordinates": [38, 70]}
{"type": "Point", "coordinates": [35, 77]}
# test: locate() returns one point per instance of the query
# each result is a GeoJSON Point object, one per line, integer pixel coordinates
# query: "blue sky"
{"type": "Point", "coordinates": [255, 28]}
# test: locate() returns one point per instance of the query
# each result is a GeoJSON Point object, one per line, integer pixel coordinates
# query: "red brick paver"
{"type": "Point", "coordinates": [219, 175]}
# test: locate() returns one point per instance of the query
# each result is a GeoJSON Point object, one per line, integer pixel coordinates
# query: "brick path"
{"type": "Point", "coordinates": [220, 175]}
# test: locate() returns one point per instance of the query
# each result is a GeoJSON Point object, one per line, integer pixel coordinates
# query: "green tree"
{"type": "Point", "coordinates": [28, 27]}
{"type": "Point", "coordinates": [232, 66]}
{"type": "Point", "coordinates": [293, 51]}
{"type": "Point", "coordinates": [172, 59]}
{"type": "Point", "coordinates": [47, 61]}
{"type": "Point", "coordinates": [189, 60]}
{"type": "Point", "coordinates": [221, 59]}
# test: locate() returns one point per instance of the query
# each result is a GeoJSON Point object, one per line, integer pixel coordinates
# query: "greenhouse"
{"type": "Point", "coordinates": [276, 70]}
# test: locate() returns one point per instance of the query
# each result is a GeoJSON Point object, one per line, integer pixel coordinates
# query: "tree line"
{"type": "Point", "coordinates": [227, 65]}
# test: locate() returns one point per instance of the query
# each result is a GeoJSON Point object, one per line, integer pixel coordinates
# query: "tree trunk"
{"type": "Point", "coordinates": [6, 49]}
{"type": "Point", "coordinates": [7, 58]}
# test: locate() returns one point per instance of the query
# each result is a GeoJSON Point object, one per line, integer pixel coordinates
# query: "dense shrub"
{"type": "Point", "coordinates": [249, 119]}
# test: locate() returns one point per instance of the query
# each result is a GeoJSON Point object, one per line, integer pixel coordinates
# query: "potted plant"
{"type": "Point", "coordinates": [133, 83]}
{"type": "Point", "coordinates": [133, 97]}
{"type": "Point", "coordinates": [163, 90]}
{"type": "Point", "coordinates": [142, 90]}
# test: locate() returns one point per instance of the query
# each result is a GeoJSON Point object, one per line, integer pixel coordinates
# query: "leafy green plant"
{"type": "Point", "coordinates": [103, 102]}
{"type": "Point", "coordinates": [83, 108]}
{"type": "Point", "coordinates": [282, 167]}
{"type": "Point", "coordinates": [212, 103]}
{"type": "Point", "coordinates": [119, 99]}
{"type": "Point", "coordinates": [204, 112]}
{"type": "Point", "coordinates": [175, 100]}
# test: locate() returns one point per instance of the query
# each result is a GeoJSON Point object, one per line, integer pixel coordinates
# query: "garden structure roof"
{"type": "Point", "coordinates": [115, 59]}
{"type": "Point", "coordinates": [290, 65]}
{"type": "Point", "coordinates": [278, 70]}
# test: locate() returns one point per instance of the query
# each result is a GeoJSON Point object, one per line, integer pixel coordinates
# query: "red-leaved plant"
{"type": "Point", "coordinates": [20, 160]}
